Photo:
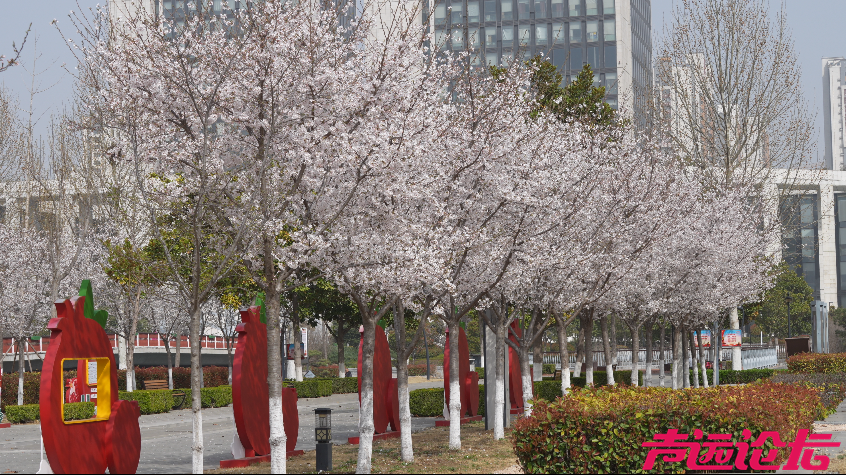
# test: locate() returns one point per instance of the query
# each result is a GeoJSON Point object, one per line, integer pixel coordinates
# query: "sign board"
{"type": "Point", "coordinates": [92, 372]}
{"type": "Point", "coordinates": [291, 350]}
{"type": "Point", "coordinates": [305, 342]}
{"type": "Point", "coordinates": [706, 339]}
{"type": "Point", "coordinates": [731, 338]}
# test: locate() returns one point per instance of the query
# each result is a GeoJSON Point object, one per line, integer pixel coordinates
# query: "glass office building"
{"type": "Point", "coordinates": [800, 238]}
{"type": "Point", "coordinates": [612, 36]}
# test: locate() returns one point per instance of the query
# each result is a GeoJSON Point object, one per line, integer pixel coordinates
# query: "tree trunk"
{"type": "Point", "coordinates": [526, 379]}
{"type": "Point", "coordinates": [21, 371]}
{"type": "Point", "coordinates": [580, 348]}
{"type": "Point", "coordinates": [614, 339]}
{"type": "Point", "coordinates": [677, 373]}
{"type": "Point", "coordinates": [565, 355]}
{"type": "Point", "coordinates": [662, 349]}
{"type": "Point", "coordinates": [278, 439]}
{"type": "Point", "coordinates": [324, 339]}
{"type": "Point", "coordinates": [298, 338]}
{"type": "Point", "coordinates": [499, 378]}
{"type": "Point", "coordinates": [635, 329]}
{"type": "Point", "coordinates": [406, 447]}
{"type": "Point", "coordinates": [537, 363]}
{"type": "Point", "coordinates": [178, 355]}
{"type": "Point", "coordinates": [694, 356]}
{"type": "Point", "coordinates": [196, 387]}
{"type": "Point", "coordinates": [736, 354]}
{"type": "Point", "coordinates": [647, 375]}
{"type": "Point", "coordinates": [606, 347]}
{"type": "Point", "coordinates": [366, 427]}
{"type": "Point", "coordinates": [455, 386]}
{"type": "Point", "coordinates": [588, 352]}
{"type": "Point", "coordinates": [702, 358]}
{"type": "Point", "coordinates": [685, 356]}
{"type": "Point", "coordinates": [169, 362]}
{"type": "Point", "coordinates": [339, 340]}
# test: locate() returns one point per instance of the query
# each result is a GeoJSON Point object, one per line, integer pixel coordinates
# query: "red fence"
{"type": "Point", "coordinates": [142, 340]}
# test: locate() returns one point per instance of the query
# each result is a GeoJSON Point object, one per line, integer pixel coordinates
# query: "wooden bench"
{"type": "Point", "coordinates": [155, 384]}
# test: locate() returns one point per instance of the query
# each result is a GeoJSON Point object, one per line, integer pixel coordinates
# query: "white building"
{"type": "Point", "coordinates": [834, 107]}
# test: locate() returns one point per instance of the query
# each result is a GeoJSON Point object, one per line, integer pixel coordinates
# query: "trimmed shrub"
{"type": "Point", "coordinates": [482, 399]}
{"type": "Point", "coordinates": [213, 376]}
{"type": "Point", "coordinates": [418, 369]}
{"type": "Point", "coordinates": [730, 376]}
{"type": "Point", "coordinates": [76, 411]}
{"type": "Point", "coordinates": [832, 386]}
{"type": "Point", "coordinates": [150, 402]}
{"type": "Point", "coordinates": [310, 388]}
{"type": "Point", "coordinates": [344, 385]}
{"type": "Point", "coordinates": [22, 414]}
{"type": "Point", "coordinates": [817, 363]}
{"type": "Point", "coordinates": [210, 397]}
{"type": "Point", "coordinates": [600, 430]}
{"type": "Point", "coordinates": [548, 390]}
{"type": "Point", "coordinates": [600, 378]}
{"type": "Point", "coordinates": [481, 373]}
{"type": "Point", "coordinates": [325, 372]}
{"type": "Point", "coordinates": [426, 402]}
{"type": "Point", "coordinates": [548, 369]}
{"type": "Point", "coordinates": [32, 387]}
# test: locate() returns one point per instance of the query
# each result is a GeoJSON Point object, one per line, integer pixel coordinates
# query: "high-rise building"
{"type": "Point", "coordinates": [834, 107]}
{"type": "Point", "coordinates": [613, 36]}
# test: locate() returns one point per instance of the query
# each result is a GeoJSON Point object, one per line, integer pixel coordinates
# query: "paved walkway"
{"type": "Point", "coordinates": [166, 438]}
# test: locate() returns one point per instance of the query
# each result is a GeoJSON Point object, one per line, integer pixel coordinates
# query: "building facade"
{"type": "Point", "coordinates": [613, 36]}
{"type": "Point", "coordinates": [834, 107]}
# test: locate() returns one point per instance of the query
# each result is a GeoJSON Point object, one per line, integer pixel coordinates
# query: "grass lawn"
{"type": "Point", "coordinates": [479, 454]}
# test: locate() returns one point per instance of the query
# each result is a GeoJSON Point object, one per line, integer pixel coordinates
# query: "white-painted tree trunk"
{"type": "Point", "coordinates": [499, 381]}
{"type": "Point", "coordinates": [676, 357]}
{"type": "Point", "coordinates": [662, 349]}
{"type": "Point", "coordinates": [366, 428]}
{"type": "Point", "coordinates": [702, 358]}
{"type": "Point", "coordinates": [588, 352]}
{"type": "Point", "coordinates": [454, 389]}
{"type": "Point", "coordinates": [580, 350]}
{"type": "Point", "coordinates": [21, 371]}
{"type": "Point", "coordinates": [278, 438]}
{"type": "Point", "coordinates": [635, 328]}
{"type": "Point", "coordinates": [564, 352]}
{"type": "Point", "coordinates": [647, 375]}
{"type": "Point", "coordinates": [406, 446]}
{"type": "Point", "coordinates": [606, 349]}
{"type": "Point", "coordinates": [694, 357]}
{"type": "Point", "coordinates": [196, 393]}
{"type": "Point", "coordinates": [736, 354]}
{"type": "Point", "coordinates": [527, 382]}
{"type": "Point", "coordinates": [685, 357]}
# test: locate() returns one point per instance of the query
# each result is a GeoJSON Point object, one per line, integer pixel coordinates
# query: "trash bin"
{"type": "Point", "coordinates": [796, 345]}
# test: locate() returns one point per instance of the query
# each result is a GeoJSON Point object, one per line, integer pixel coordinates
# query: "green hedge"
{"type": "Point", "coordinates": [314, 387]}
{"type": "Point", "coordinates": [481, 373]}
{"type": "Point", "coordinates": [426, 402]}
{"type": "Point", "coordinates": [210, 397]}
{"type": "Point", "coordinates": [730, 376]}
{"type": "Point", "coordinates": [157, 401]}
{"type": "Point", "coordinates": [817, 363]}
{"type": "Point", "coordinates": [76, 411]}
{"type": "Point", "coordinates": [344, 385]}
{"type": "Point", "coordinates": [601, 430]}
{"type": "Point", "coordinates": [831, 386]}
{"type": "Point", "coordinates": [600, 378]}
{"type": "Point", "coordinates": [22, 414]}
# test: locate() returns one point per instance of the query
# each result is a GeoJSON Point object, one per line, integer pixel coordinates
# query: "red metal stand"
{"type": "Point", "coordinates": [247, 461]}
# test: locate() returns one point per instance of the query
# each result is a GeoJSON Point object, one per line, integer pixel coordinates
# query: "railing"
{"type": "Point", "coordinates": [142, 340]}
{"type": "Point", "coordinates": [752, 356]}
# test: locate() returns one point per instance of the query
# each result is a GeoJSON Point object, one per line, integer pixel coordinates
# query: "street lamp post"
{"type": "Point", "coordinates": [788, 300]}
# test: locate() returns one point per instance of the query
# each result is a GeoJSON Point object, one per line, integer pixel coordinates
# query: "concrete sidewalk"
{"type": "Point", "coordinates": [166, 438]}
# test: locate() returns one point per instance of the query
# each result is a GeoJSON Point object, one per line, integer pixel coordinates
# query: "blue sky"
{"type": "Point", "coordinates": [817, 32]}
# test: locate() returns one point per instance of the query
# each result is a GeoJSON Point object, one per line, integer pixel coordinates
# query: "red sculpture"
{"type": "Point", "coordinates": [250, 397]}
{"type": "Point", "coordinates": [515, 379]}
{"type": "Point", "coordinates": [468, 380]}
{"type": "Point", "coordinates": [385, 395]}
{"type": "Point", "coordinates": [112, 439]}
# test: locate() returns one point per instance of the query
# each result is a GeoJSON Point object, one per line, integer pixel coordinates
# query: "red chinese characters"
{"type": "Point", "coordinates": [717, 452]}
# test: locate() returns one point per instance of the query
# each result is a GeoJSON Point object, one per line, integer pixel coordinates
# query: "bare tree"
{"type": "Point", "coordinates": [16, 50]}
{"type": "Point", "coordinates": [730, 101]}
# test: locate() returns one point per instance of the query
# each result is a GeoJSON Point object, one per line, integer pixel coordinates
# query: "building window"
{"type": "Point", "coordinates": [557, 8]}
{"type": "Point", "coordinates": [474, 37]}
{"type": "Point", "coordinates": [611, 83]}
{"type": "Point", "coordinates": [608, 7]}
{"type": "Point", "coordinates": [492, 59]}
{"type": "Point", "coordinates": [541, 36]}
{"type": "Point", "coordinates": [800, 237]}
{"type": "Point", "coordinates": [540, 9]}
{"type": "Point", "coordinates": [473, 14]}
{"type": "Point", "coordinates": [575, 32]}
{"type": "Point", "coordinates": [593, 59]}
{"type": "Point", "coordinates": [490, 37]}
{"type": "Point", "coordinates": [507, 11]}
{"type": "Point", "coordinates": [456, 13]}
{"type": "Point", "coordinates": [440, 14]}
{"type": "Point", "coordinates": [523, 9]}
{"type": "Point", "coordinates": [592, 30]}
{"type": "Point", "coordinates": [575, 7]}
{"type": "Point", "coordinates": [611, 57]}
{"type": "Point", "coordinates": [490, 10]}
{"type": "Point", "coordinates": [525, 36]}
{"type": "Point", "coordinates": [591, 7]}
{"type": "Point", "coordinates": [457, 39]}
{"type": "Point", "coordinates": [609, 27]}
{"type": "Point", "coordinates": [507, 36]}
{"type": "Point", "coordinates": [559, 59]}
{"type": "Point", "coordinates": [576, 61]}
{"type": "Point", "coordinates": [559, 33]}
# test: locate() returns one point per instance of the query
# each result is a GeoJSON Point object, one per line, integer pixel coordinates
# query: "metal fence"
{"type": "Point", "coordinates": [753, 356]}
